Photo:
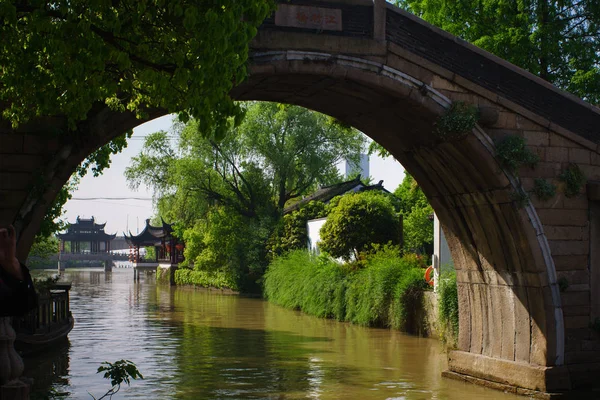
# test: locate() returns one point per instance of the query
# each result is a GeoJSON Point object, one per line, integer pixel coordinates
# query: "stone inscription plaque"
{"type": "Point", "coordinates": [326, 19]}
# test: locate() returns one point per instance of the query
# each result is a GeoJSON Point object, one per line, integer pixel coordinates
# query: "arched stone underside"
{"type": "Point", "coordinates": [391, 76]}
{"type": "Point", "coordinates": [511, 326]}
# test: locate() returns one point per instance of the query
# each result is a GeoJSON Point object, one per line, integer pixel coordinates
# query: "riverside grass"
{"type": "Point", "coordinates": [216, 279]}
{"type": "Point", "coordinates": [380, 294]}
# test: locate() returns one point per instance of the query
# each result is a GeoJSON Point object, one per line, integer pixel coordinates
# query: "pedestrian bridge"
{"type": "Point", "coordinates": [528, 269]}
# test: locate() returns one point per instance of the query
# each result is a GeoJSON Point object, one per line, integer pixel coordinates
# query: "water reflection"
{"type": "Point", "coordinates": [199, 344]}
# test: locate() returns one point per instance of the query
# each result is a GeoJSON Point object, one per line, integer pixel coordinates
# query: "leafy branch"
{"type": "Point", "coordinates": [118, 372]}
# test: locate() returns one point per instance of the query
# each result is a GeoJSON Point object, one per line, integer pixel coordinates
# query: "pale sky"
{"type": "Point", "coordinates": [122, 214]}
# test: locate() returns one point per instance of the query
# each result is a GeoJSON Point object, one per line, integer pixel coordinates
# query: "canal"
{"type": "Point", "coordinates": [200, 344]}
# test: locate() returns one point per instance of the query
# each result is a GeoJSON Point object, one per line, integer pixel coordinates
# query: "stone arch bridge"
{"type": "Point", "coordinates": [392, 75]}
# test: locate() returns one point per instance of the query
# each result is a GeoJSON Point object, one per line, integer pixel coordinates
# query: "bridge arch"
{"type": "Point", "coordinates": [391, 76]}
{"type": "Point", "coordinates": [509, 301]}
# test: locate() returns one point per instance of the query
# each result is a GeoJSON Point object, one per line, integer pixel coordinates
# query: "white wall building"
{"type": "Point", "coordinates": [313, 228]}
{"type": "Point", "coordinates": [441, 259]}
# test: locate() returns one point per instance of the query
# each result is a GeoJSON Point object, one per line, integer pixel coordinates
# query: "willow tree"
{"type": "Point", "coordinates": [228, 196]}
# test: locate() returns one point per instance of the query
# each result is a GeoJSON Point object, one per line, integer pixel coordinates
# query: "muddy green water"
{"type": "Point", "coordinates": [199, 344]}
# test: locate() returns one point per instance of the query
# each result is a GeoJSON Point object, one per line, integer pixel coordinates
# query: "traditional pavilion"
{"type": "Point", "coordinates": [86, 236]}
{"type": "Point", "coordinates": [166, 246]}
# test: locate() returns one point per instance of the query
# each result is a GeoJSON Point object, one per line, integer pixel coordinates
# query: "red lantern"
{"type": "Point", "coordinates": [168, 248]}
{"type": "Point", "coordinates": [179, 246]}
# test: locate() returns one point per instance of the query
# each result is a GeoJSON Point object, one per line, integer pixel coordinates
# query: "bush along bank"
{"type": "Point", "coordinates": [448, 308]}
{"type": "Point", "coordinates": [382, 290]}
{"type": "Point", "coordinates": [214, 279]}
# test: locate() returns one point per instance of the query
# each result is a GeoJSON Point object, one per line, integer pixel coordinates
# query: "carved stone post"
{"type": "Point", "coordinates": [11, 365]}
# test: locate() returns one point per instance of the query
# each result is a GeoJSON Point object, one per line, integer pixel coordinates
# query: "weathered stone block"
{"type": "Point", "coordinates": [541, 170]}
{"type": "Point", "coordinates": [11, 143]}
{"type": "Point", "coordinates": [565, 232]}
{"type": "Point", "coordinates": [14, 180]}
{"type": "Point", "coordinates": [464, 317]}
{"type": "Point", "coordinates": [507, 315]}
{"type": "Point", "coordinates": [557, 154]}
{"type": "Point", "coordinates": [440, 83]}
{"type": "Point", "coordinates": [578, 287]}
{"type": "Point", "coordinates": [509, 372]}
{"type": "Point", "coordinates": [536, 138]}
{"type": "Point", "coordinates": [560, 141]}
{"type": "Point", "coordinates": [539, 151]}
{"type": "Point", "coordinates": [569, 247]}
{"type": "Point", "coordinates": [522, 325]}
{"type": "Point", "coordinates": [566, 263]}
{"type": "Point", "coordinates": [19, 162]}
{"type": "Point", "coordinates": [590, 345]}
{"type": "Point", "coordinates": [507, 120]}
{"type": "Point", "coordinates": [563, 217]}
{"type": "Point", "coordinates": [575, 299]}
{"type": "Point", "coordinates": [7, 215]}
{"type": "Point", "coordinates": [591, 172]}
{"type": "Point", "coordinates": [36, 144]}
{"type": "Point", "coordinates": [579, 156]}
{"type": "Point", "coordinates": [582, 357]}
{"type": "Point", "coordinates": [577, 277]}
{"type": "Point", "coordinates": [580, 202]}
{"type": "Point", "coordinates": [527, 124]}
{"type": "Point", "coordinates": [12, 198]}
{"type": "Point", "coordinates": [576, 311]}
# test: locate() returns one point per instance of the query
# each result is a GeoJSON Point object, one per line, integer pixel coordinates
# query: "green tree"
{"type": "Point", "coordinates": [358, 221]}
{"type": "Point", "coordinates": [554, 39]}
{"type": "Point", "coordinates": [291, 232]}
{"type": "Point", "coordinates": [410, 195]}
{"type": "Point", "coordinates": [416, 212]}
{"type": "Point", "coordinates": [42, 251]}
{"type": "Point", "coordinates": [227, 196]}
{"type": "Point", "coordinates": [184, 56]}
{"type": "Point", "coordinates": [68, 58]}
{"type": "Point", "coordinates": [418, 229]}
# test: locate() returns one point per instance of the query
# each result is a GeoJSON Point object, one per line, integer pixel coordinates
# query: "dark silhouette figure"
{"type": "Point", "coordinates": [17, 294]}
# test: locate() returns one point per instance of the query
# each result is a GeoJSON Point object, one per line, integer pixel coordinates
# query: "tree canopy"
{"type": "Point", "coordinates": [61, 57]}
{"type": "Point", "coordinates": [416, 212]}
{"type": "Point", "coordinates": [358, 221]}
{"type": "Point", "coordinates": [228, 196]}
{"type": "Point", "coordinates": [554, 39]}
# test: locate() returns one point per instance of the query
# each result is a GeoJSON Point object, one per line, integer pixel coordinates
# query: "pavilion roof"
{"type": "Point", "coordinates": [85, 230]}
{"type": "Point", "coordinates": [326, 193]}
{"type": "Point", "coordinates": [150, 235]}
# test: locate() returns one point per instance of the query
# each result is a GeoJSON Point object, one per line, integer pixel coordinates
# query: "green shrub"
{"type": "Point", "coordinates": [291, 234]}
{"type": "Point", "coordinates": [216, 279]}
{"type": "Point", "coordinates": [573, 178]}
{"type": "Point", "coordinates": [563, 283]}
{"type": "Point", "coordinates": [448, 307]}
{"type": "Point", "coordinates": [457, 121]}
{"type": "Point", "coordinates": [381, 293]}
{"type": "Point", "coordinates": [543, 189]}
{"type": "Point", "coordinates": [512, 153]}
{"type": "Point", "coordinates": [358, 221]}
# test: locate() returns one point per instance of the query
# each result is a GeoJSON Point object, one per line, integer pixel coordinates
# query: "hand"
{"type": "Point", "coordinates": [8, 251]}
